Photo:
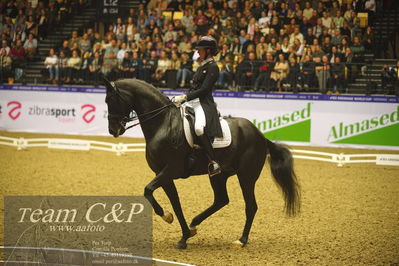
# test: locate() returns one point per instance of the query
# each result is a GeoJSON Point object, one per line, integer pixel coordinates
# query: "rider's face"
{"type": "Point", "coordinates": [202, 53]}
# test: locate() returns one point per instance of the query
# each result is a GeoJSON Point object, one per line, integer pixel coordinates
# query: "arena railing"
{"type": "Point", "coordinates": [121, 148]}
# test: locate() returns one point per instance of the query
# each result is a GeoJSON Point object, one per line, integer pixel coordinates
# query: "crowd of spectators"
{"type": "Point", "coordinates": [24, 23]}
{"type": "Point", "coordinates": [264, 45]}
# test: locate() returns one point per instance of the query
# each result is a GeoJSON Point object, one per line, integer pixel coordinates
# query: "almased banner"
{"type": "Point", "coordinates": [300, 119]}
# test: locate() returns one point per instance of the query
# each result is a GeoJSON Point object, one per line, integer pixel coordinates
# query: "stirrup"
{"type": "Point", "coordinates": [214, 168]}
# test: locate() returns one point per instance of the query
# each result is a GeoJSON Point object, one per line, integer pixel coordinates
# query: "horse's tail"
{"type": "Point", "coordinates": [281, 164]}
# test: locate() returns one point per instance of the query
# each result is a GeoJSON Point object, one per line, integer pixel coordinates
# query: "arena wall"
{"type": "Point", "coordinates": [298, 119]}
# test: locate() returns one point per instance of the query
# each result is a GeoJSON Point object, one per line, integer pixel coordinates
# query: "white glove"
{"type": "Point", "coordinates": [180, 99]}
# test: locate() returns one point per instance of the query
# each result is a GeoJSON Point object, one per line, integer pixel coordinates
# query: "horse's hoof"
{"type": "Point", "coordinates": [238, 244]}
{"type": "Point", "coordinates": [167, 217]}
{"type": "Point", "coordinates": [193, 231]}
{"type": "Point", "coordinates": [181, 245]}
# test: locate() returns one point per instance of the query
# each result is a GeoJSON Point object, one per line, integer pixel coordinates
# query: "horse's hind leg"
{"type": "Point", "coordinates": [221, 199]}
{"type": "Point", "coordinates": [248, 175]}
{"type": "Point", "coordinates": [171, 192]}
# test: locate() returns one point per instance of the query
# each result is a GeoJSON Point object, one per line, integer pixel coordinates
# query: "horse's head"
{"type": "Point", "coordinates": [118, 110]}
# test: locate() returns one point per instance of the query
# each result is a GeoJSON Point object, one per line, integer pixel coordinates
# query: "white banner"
{"type": "Point", "coordinates": [303, 121]}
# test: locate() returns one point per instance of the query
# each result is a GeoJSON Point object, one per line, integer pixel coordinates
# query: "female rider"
{"type": "Point", "coordinates": [199, 97]}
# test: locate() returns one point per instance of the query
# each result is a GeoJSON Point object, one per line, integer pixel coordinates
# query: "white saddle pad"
{"type": "Point", "coordinates": [218, 142]}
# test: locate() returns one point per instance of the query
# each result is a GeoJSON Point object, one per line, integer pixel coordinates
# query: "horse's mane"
{"type": "Point", "coordinates": [134, 84]}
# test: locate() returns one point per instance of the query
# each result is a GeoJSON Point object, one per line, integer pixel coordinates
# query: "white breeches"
{"type": "Point", "coordinates": [200, 120]}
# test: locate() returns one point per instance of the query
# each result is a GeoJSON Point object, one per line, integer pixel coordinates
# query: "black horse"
{"type": "Point", "coordinates": [167, 152]}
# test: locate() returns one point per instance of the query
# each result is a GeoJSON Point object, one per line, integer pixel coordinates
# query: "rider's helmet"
{"type": "Point", "coordinates": [208, 42]}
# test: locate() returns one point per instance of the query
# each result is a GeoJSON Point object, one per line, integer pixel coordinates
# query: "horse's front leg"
{"type": "Point", "coordinates": [170, 190]}
{"type": "Point", "coordinates": [158, 181]}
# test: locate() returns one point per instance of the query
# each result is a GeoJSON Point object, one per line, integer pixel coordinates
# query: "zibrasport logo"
{"type": "Point", "coordinates": [89, 115]}
{"type": "Point", "coordinates": [64, 115]}
{"type": "Point", "coordinates": [14, 112]}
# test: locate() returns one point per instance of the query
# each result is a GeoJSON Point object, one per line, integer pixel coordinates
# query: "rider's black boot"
{"type": "Point", "coordinates": [213, 166]}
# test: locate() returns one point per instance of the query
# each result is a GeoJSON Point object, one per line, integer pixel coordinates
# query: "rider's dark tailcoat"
{"type": "Point", "coordinates": [203, 84]}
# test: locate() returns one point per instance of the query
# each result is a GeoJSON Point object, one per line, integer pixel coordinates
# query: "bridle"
{"type": "Point", "coordinates": [124, 119]}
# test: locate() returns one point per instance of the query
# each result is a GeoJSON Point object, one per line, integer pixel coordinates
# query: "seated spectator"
{"type": "Point", "coordinates": [124, 65]}
{"type": "Point", "coordinates": [121, 53]}
{"type": "Point", "coordinates": [368, 39]}
{"type": "Point", "coordinates": [74, 65]}
{"type": "Point", "coordinates": [263, 81]}
{"type": "Point", "coordinates": [149, 67]}
{"type": "Point", "coordinates": [84, 44]}
{"type": "Point", "coordinates": [5, 49]}
{"type": "Point", "coordinates": [30, 47]}
{"type": "Point", "coordinates": [109, 65]}
{"type": "Point", "coordinates": [17, 54]}
{"type": "Point", "coordinates": [323, 68]}
{"type": "Point", "coordinates": [337, 76]}
{"type": "Point", "coordinates": [84, 73]}
{"type": "Point", "coordinates": [337, 37]}
{"type": "Point", "coordinates": [250, 70]}
{"type": "Point", "coordinates": [63, 66]}
{"type": "Point", "coordinates": [5, 66]}
{"type": "Point", "coordinates": [95, 67]}
{"type": "Point", "coordinates": [135, 65]}
{"type": "Point", "coordinates": [226, 74]}
{"type": "Point", "coordinates": [164, 64]}
{"type": "Point", "coordinates": [184, 74]}
{"type": "Point", "coordinates": [51, 63]}
{"type": "Point", "coordinates": [65, 48]}
{"type": "Point", "coordinates": [293, 77]}
{"type": "Point", "coordinates": [307, 73]}
{"type": "Point", "coordinates": [280, 71]}
{"type": "Point", "coordinates": [30, 26]}
{"type": "Point", "coordinates": [74, 39]}
{"type": "Point", "coordinates": [357, 50]}
{"type": "Point", "coordinates": [297, 48]}
{"type": "Point", "coordinates": [309, 37]}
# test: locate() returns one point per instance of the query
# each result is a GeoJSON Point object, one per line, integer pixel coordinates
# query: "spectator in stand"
{"type": "Point", "coordinates": [74, 65]}
{"type": "Point", "coordinates": [337, 76]}
{"type": "Point", "coordinates": [109, 65]}
{"type": "Point", "coordinates": [17, 53]}
{"type": "Point", "coordinates": [357, 49]}
{"type": "Point", "coordinates": [185, 72]}
{"type": "Point", "coordinates": [307, 72]}
{"type": "Point", "coordinates": [5, 49]}
{"type": "Point", "coordinates": [226, 74]}
{"type": "Point", "coordinates": [74, 39]}
{"type": "Point", "coordinates": [293, 77]}
{"type": "Point", "coordinates": [250, 71]}
{"type": "Point", "coordinates": [51, 63]}
{"type": "Point", "coordinates": [65, 48]}
{"type": "Point", "coordinates": [263, 81]}
{"type": "Point", "coordinates": [42, 24]}
{"type": "Point", "coordinates": [124, 65]}
{"type": "Point", "coordinates": [84, 44]}
{"type": "Point", "coordinates": [309, 37]}
{"type": "Point", "coordinates": [84, 73]}
{"type": "Point", "coordinates": [63, 66]}
{"type": "Point", "coordinates": [280, 71]}
{"type": "Point", "coordinates": [135, 65]}
{"type": "Point", "coordinates": [323, 68]}
{"type": "Point", "coordinates": [30, 47]}
{"type": "Point", "coordinates": [368, 40]}
{"type": "Point", "coordinates": [30, 26]}
{"type": "Point", "coordinates": [164, 63]}
{"type": "Point", "coordinates": [95, 67]}
{"type": "Point", "coordinates": [308, 11]}
{"type": "Point", "coordinates": [5, 66]}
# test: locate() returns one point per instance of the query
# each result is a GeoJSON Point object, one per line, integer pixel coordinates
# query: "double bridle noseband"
{"type": "Point", "coordinates": [124, 119]}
